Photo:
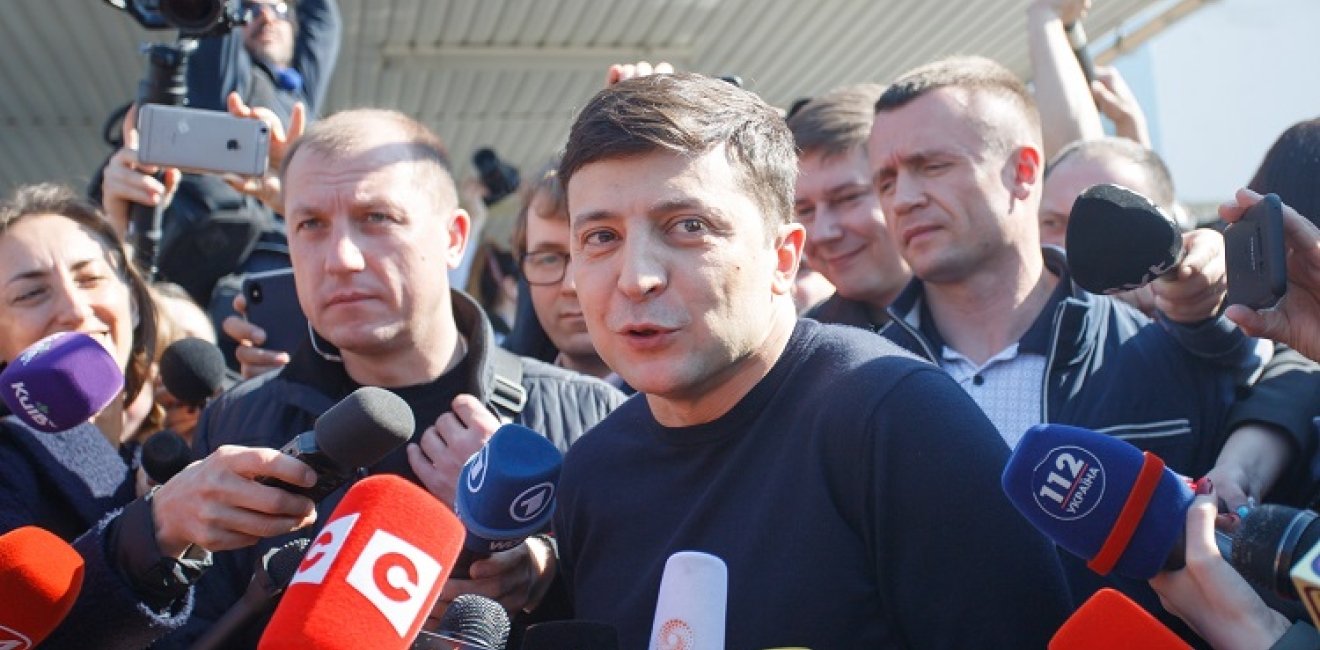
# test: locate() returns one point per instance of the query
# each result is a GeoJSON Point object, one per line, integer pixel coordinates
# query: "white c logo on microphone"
{"type": "Point", "coordinates": [396, 577]}
{"type": "Point", "coordinates": [324, 549]}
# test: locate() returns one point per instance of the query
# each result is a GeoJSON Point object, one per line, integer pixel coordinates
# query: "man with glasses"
{"type": "Point", "coordinates": [540, 241]}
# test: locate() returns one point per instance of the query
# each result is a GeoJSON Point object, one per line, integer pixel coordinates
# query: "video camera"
{"type": "Point", "coordinates": [193, 18]}
{"type": "Point", "coordinates": [499, 178]}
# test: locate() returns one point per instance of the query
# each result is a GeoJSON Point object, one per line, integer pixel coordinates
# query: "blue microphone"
{"type": "Point", "coordinates": [506, 492]}
{"type": "Point", "coordinates": [1100, 498]}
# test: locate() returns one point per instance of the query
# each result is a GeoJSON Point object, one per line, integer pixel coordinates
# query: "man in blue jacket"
{"type": "Point", "coordinates": [955, 152]}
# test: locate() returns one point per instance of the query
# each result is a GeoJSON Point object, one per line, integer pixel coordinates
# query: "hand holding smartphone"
{"type": "Point", "coordinates": [272, 305]}
{"type": "Point", "coordinates": [202, 141]}
{"type": "Point", "coordinates": [1256, 257]}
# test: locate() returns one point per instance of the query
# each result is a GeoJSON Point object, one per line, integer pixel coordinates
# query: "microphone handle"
{"type": "Point", "coordinates": [1077, 39]}
{"type": "Point", "coordinates": [329, 475]}
{"type": "Point", "coordinates": [259, 599]}
{"type": "Point", "coordinates": [463, 564]}
{"type": "Point", "coordinates": [1178, 556]}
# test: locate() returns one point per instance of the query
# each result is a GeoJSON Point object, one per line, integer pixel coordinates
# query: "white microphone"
{"type": "Point", "coordinates": [690, 610]}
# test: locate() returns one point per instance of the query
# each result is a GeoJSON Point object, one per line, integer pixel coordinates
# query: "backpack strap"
{"type": "Point", "coordinates": [507, 395]}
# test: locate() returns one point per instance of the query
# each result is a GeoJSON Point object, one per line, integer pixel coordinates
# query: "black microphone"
{"type": "Point", "coordinates": [357, 432]}
{"type": "Point", "coordinates": [193, 371]}
{"type": "Point", "coordinates": [570, 635]}
{"type": "Point", "coordinates": [471, 622]}
{"type": "Point", "coordinates": [274, 570]}
{"type": "Point", "coordinates": [165, 454]}
{"type": "Point", "coordinates": [1119, 240]}
{"type": "Point", "coordinates": [1077, 40]}
{"type": "Point", "coordinates": [1269, 542]}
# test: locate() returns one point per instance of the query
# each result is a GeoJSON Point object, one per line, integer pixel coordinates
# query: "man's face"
{"type": "Point", "coordinates": [1070, 178]}
{"type": "Point", "coordinates": [847, 240]}
{"type": "Point", "coordinates": [947, 192]}
{"type": "Point", "coordinates": [678, 279]}
{"type": "Point", "coordinates": [556, 305]}
{"type": "Point", "coordinates": [269, 32]}
{"type": "Point", "coordinates": [370, 251]}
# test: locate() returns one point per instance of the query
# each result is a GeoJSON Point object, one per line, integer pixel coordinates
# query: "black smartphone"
{"type": "Point", "coordinates": [1255, 256]}
{"type": "Point", "coordinates": [272, 305]}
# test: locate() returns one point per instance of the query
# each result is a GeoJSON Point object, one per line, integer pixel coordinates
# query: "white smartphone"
{"type": "Point", "coordinates": [202, 141]}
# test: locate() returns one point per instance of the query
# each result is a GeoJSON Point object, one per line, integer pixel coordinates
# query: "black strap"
{"type": "Point", "coordinates": [507, 395]}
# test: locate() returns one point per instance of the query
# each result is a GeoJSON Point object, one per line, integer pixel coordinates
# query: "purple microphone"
{"type": "Point", "coordinates": [61, 381]}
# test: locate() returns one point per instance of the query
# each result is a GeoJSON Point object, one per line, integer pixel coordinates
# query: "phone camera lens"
{"type": "Point", "coordinates": [254, 293]}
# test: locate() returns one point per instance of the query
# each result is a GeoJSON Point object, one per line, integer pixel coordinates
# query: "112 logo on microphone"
{"type": "Point", "coordinates": [1068, 483]}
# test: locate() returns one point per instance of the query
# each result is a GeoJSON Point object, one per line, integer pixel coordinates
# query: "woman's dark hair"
{"type": "Point", "coordinates": [49, 198]}
{"type": "Point", "coordinates": [1291, 169]}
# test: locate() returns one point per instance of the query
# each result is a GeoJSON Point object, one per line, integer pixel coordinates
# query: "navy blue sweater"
{"type": "Point", "coordinates": [853, 493]}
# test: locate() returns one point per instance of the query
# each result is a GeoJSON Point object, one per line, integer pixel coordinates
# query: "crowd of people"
{"type": "Point", "coordinates": [657, 316]}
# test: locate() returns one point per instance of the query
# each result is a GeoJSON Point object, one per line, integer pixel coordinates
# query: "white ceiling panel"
{"type": "Point", "coordinates": [503, 73]}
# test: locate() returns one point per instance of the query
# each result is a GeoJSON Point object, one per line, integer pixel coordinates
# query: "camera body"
{"type": "Point", "coordinates": [191, 17]}
{"type": "Point", "coordinates": [500, 178]}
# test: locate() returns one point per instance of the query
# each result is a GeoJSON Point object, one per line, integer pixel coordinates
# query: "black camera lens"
{"type": "Point", "coordinates": [500, 178]}
{"type": "Point", "coordinates": [254, 293]}
{"type": "Point", "coordinates": [192, 15]}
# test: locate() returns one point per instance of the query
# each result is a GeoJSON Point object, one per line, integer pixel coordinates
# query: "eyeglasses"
{"type": "Point", "coordinates": [251, 10]}
{"type": "Point", "coordinates": [543, 268]}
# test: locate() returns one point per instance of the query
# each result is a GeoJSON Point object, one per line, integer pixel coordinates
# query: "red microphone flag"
{"type": "Point", "coordinates": [373, 573]}
{"type": "Point", "coordinates": [40, 577]}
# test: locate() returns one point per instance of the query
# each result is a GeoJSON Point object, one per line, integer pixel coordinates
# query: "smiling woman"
{"type": "Point", "coordinates": [63, 268]}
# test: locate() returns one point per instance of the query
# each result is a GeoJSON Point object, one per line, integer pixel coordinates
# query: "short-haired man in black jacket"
{"type": "Point", "coordinates": [374, 224]}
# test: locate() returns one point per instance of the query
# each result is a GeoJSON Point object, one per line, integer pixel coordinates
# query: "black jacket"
{"type": "Point", "coordinates": [270, 410]}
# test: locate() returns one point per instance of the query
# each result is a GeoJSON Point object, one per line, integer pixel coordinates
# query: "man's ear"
{"type": "Point", "coordinates": [788, 255]}
{"type": "Point", "coordinates": [460, 227]}
{"type": "Point", "coordinates": [1027, 171]}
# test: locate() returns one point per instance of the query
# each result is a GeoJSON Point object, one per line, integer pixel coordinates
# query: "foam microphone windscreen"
{"type": "Point", "coordinates": [165, 454]}
{"type": "Point", "coordinates": [570, 635]}
{"type": "Point", "coordinates": [1098, 497]}
{"type": "Point", "coordinates": [506, 490]}
{"type": "Point", "coordinates": [193, 370]}
{"type": "Point", "coordinates": [372, 574]}
{"type": "Point", "coordinates": [474, 622]}
{"type": "Point", "coordinates": [363, 427]}
{"type": "Point", "coordinates": [693, 600]}
{"type": "Point", "coordinates": [1119, 240]}
{"type": "Point", "coordinates": [40, 577]}
{"type": "Point", "coordinates": [61, 381]}
{"type": "Point", "coordinates": [1269, 542]}
{"type": "Point", "coordinates": [1108, 620]}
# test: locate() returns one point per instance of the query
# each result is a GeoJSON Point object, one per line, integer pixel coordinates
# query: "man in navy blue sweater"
{"type": "Point", "coordinates": [851, 489]}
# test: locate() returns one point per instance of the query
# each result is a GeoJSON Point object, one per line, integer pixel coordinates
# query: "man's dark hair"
{"type": "Point", "coordinates": [690, 114]}
{"type": "Point", "coordinates": [549, 193]}
{"type": "Point", "coordinates": [836, 123]}
{"type": "Point", "coordinates": [1159, 180]}
{"type": "Point", "coordinates": [971, 73]}
{"type": "Point", "coordinates": [1291, 168]}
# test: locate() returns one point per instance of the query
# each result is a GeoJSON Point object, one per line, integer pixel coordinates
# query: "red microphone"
{"type": "Point", "coordinates": [40, 576]}
{"type": "Point", "coordinates": [1111, 620]}
{"type": "Point", "coordinates": [373, 573]}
